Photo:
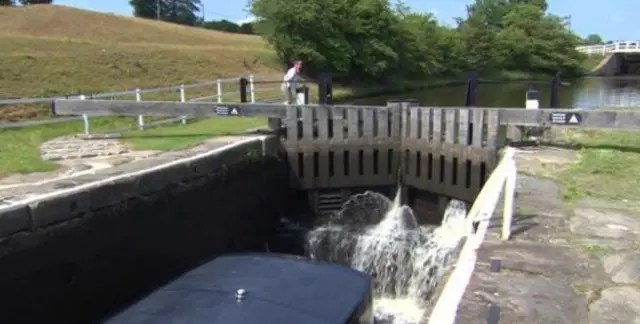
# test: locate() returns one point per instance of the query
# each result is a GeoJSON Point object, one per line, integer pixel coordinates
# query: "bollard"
{"type": "Point", "coordinates": [219, 90]}
{"type": "Point", "coordinates": [555, 89]}
{"type": "Point", "coordinates": [85, 119]}
{"type": "Point", "coordinates": [183, 98]}
{"type": "Point", "coordinates": [252, 89]}
{"type": "Point", "coordinates": [140, 117]}
{"type": "Point", "coordinates": [532, 99]}
{"type": "Point", "coordinates": [472, 85]}
{"type": "Point", "coordinates": [243, 89]}
{"type": "Point", "coordinates": [325, 89]}
{"type": "Point", "coordinates": [302, 95]}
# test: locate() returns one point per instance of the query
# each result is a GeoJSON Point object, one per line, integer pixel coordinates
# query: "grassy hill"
{"type": "Point", "coordinates": [51, 50]}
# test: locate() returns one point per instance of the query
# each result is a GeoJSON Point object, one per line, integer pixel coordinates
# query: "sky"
{"type": "Point", "coordinates": [612, 22]}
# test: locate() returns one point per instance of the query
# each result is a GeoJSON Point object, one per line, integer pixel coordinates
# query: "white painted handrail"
{"type": "Point", "coordinates": [617, 47]}
{"type": "Point", "coordinates": [502, 177]}
{"type": "Point", "coordinates": [180, 89]}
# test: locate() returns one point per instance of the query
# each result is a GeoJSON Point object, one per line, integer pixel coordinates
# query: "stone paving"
{"type": "Point", "coordinates": [575, 264]}
{"type": "Point", "coordinates": [86, 160]}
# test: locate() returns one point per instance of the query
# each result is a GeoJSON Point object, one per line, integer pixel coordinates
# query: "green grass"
{"type": "Point", "coordinates": [609, 166]}
{"type": "Point", "coordinates": [21, 146]}
{"type": "Point", "coordinates": [21, 154]}
{"type": "Point", "coordinates": [178, 136]}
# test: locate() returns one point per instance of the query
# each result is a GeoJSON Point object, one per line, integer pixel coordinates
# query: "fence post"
{"type": "Point", "coordinates": [219, 90]}
{"type": "Point", "coordinates": [183, 98]}
{"type": "Point", "coordinates": [555, 88]}
{"type": "Point", "coordinates": [85, 119]}
{"type": "Point", "coordinates": [472, 85]}
{"type": "Point", "coordinates": [243, 89]}
{"type": "Point", "coordinates": [252, 89]}
{"type": "Point", "coordinates": [325, 89]}
{"type": "Point", "coordinates": [140, 117]}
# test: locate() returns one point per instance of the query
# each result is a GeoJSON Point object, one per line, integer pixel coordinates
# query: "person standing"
{"type": "Point", "coordinates": [291, 83]}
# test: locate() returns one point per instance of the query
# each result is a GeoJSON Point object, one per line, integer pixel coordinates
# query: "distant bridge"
{"type": "Point", "coordinates": [630, 47]}
{"type": "Point", "coordinates": [620, 58]}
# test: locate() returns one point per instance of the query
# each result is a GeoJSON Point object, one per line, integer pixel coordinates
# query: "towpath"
{"type": "Point", "coordinates": [575, 263]}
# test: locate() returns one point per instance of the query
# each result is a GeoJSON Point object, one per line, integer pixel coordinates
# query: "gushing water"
{"type": "Point", "coordinates": [383, 238]}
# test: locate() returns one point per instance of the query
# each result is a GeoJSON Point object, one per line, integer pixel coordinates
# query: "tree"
{"type": "Point", "coordinates": [32, 2]}
{"type": "Point", "coordinates": [593, 39]}
{"type": "Point", "coordinates": [375, 41]}
{"type": "Point", "coordinates": [185, 12]}
{"type": "Point", "coordinates": [6, 3]}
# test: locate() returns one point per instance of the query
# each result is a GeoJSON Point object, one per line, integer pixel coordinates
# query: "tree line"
{"type": "Point", "coordinates": [377, 40]}
{"type": "Point", "coordinates": [185, 12]}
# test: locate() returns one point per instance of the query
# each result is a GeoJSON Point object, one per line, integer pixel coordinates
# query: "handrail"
{"type": "Point", "coordinates": [617, 47]}
{"type": "Point", "coordinates": [14, 101]}
{"type": "Point", "coordinates": [446, 307]}
{"type": "Point", "coordinates": [137, 93]}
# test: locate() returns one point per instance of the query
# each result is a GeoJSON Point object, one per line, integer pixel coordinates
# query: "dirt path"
{"type": "Point", "coordinates": [566, 263]}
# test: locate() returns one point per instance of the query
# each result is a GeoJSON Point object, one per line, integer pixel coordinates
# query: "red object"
{"type": "Point", "coordinates": [298, 70]}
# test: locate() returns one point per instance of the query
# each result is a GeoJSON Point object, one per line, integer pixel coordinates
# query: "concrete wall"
{"type": "Point", "coordinates": [74, 254]}
{"type": "Point", "coordinates": [609, 66]}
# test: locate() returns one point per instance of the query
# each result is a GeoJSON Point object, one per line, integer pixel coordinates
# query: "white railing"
{"type": "Point", "coordinates": [502, 177]}
{"type": "Point", "coordinates": [617, 47]}
{"type": "Point", "coordinates": [218, 96]}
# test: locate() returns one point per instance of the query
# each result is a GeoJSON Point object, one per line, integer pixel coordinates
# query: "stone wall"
{"type": "Point", "coordinates": [74, 255]}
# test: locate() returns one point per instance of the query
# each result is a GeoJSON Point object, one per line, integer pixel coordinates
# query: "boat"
{"type": "Point", "coordinates": [265, 288]}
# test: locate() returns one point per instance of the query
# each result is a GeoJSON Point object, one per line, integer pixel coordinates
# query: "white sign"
{"type": "Point", "coordinates": [234, 111]}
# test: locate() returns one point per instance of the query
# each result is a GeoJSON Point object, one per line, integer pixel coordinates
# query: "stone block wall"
{"type": "Point", "coordinates": [81, 253]}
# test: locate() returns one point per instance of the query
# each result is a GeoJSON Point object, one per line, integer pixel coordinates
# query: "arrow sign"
{"type": "Point", "coordinates": [565, 118]}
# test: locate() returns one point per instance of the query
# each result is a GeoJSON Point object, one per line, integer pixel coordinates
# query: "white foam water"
{"type": "Point", "coordinates": [383, 239]}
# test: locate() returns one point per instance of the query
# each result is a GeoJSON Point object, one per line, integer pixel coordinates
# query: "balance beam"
{"type": "Point", "coordinates": [73, 107]}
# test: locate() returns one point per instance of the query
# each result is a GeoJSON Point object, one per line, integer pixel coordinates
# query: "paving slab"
{"type": "Point", "coordinates": [573, 264]}
{"type": "Point", "coordinates": [77, 169]}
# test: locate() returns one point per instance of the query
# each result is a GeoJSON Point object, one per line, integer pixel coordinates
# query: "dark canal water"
{"type": "Point", "coordinates": [588, 93]}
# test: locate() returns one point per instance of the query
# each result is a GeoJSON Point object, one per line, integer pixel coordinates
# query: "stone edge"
{"type": "Point", "coordinates": [63, 205]}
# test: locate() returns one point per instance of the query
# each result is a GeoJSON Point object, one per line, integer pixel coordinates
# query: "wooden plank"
{"type": "Point", "coordinates": [449, 151]}
{"type": "Point", "coordinates": [395, 110]}
{"type": "Point", "coordinates": [308, 179]}
{"type": "Point", "coordinates": [414, 122]}
{"type": "Point", "coordinates": [164, 108]}
{"type": "Point", "coordinates": [338, 137]}
{"type": "Point", "coordinates": [461, 153]}
{"type": "Point", "coordinates": [367, 133]}
{"type": "Point", "coordinates": [478, 122]}
{"type": "Point", "coordinates": [338, 123]}
{"type": "Point", "coordinates": [307, 125]}
{"type": "Point", "coordinates": [426, 183]}
{"type": "Point", "coordinates": [493, 121]}
{"type": "Point", "coordinates": [628, 119]}
{"type": "Point", "coordinates": [322, 117]}
{"type": "Point", "coordinates": [354, 134]}
{"type": "Point", "coordinates": [383, 123]}
{"type": "Point", "coordinates": [435, 182]}
{"type": "Point", "coordinates": [426, 124]}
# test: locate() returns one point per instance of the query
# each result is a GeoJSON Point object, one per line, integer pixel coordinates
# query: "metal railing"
{"type": "Point", "coordinates": [219, 96]}
{"type": "Point", "coordinates": [617, 47]}
{"type": "Point", "coordinates": [501, 180]}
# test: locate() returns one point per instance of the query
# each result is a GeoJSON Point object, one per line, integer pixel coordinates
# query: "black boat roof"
{"type": "Point", "coordinates": [280, 289]}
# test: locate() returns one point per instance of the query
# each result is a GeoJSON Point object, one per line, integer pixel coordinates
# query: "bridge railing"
{"type": "Point", "coordinates": [501, 181]}
{"type": "Point", "coordinates": [219, 91]}
{"type": "Point", "coordinates": [618, 47]}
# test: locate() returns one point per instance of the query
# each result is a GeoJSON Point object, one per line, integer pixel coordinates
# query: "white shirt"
{"type": "Point", "coordinates": [291, 73]}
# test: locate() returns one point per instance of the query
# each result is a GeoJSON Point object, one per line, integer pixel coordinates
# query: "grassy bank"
{"type": "Point", "coordinates": [608, 166]}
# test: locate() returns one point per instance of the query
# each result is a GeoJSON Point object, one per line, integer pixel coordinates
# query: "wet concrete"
{"type": "Point", "coordinates": [565, 263]}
